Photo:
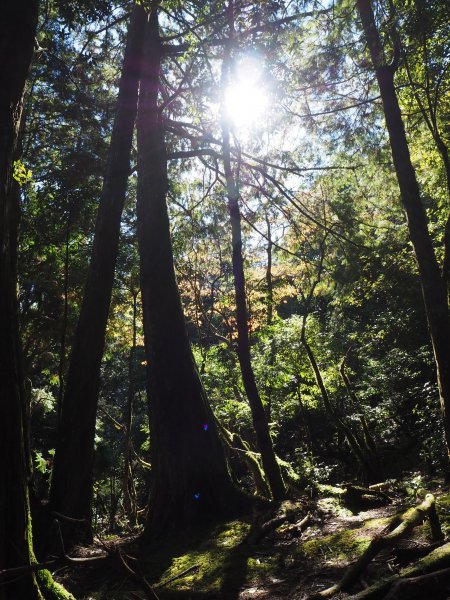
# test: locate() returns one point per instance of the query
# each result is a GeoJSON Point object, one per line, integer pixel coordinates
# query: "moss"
{"type": "Point", "coordinates": [443, 510]}
{"type": "Point", "coordinates": [342, 546]}
{"type": "Point", "coordinates": [51, 589]}
{"type": "Point", "coordinates": [439, 558]}
{"type": "Point", "coordinates": [380, 522]}
{"type": "Point", "coordinates": [330, 489]}
{"type": "Point", "coordinates": [333, 505]}
{"type": "Point", "coordinates": [261, 566]}
{"type": "Point", "coordinates": [210, 558]}
{"type": "Point", "coordinates": [221, 560]}
{"type": "Point", "coordinates": [46, 585]}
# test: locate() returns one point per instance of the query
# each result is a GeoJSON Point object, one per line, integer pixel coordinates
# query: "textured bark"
{"type": "Point", "coordinates": [17, 33]}
{"type": "Point", "coordinates": [260, 423]}
{"type": "Point", "coordinates": [17, 30]}
{"type": "Point", "coordinates": [433, 285]}
{"type": "Point", "coordinates": [71, 487]}
{"type": "Point", "coordinates": [190, 478]}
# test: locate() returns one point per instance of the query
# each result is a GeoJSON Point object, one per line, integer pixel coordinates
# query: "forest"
{"type": "Point", "coordinates": [224, 299]}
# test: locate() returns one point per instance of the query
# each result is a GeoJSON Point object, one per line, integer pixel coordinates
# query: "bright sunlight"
{"type": "Point", "coordinates": [246, 100]}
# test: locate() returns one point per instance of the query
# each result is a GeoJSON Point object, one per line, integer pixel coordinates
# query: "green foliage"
{"type": "Point", "coordinates": [21, 173]}
{"type": "Point", "coordinates": [318, 170]}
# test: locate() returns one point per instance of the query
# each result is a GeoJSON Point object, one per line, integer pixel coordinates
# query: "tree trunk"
{"type": "Point", "coordinates": [355, 444]}
{"type": "Point", "coordinates": [190, 478]}
{"type": "Point", "coordinates": [71, 484]}
{"type": "Point", "coordinates": [129, 494]}
{"type": "Point", "coordinates": [17, 33]}
{"type": "Point", "coordinates": [65, 316]}
{"type": "Point", "coordinates": [260, 423]}
{"type": "Point", "coordinates": [270, 305]}
{"type": "Point", "coordinates": [17, 30]}
{"type": "Point", "coordinates": [433, 286]}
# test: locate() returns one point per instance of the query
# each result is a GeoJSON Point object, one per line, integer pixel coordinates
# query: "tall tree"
{"type": "Point", "coordinates": [190, 478]}
{"type": "Point", "coordinates": [432, 282]}
{"type": "Point", "coordinates": [71, 485]}
{"type": "Point", "coordinates": [17, 32]}
{"type": "Point", "coordinates": [17, 36]}
{"type": "Point", "coordinates": [264, 441]}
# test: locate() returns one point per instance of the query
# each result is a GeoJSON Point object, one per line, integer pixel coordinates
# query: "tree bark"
{"type": "Point", "coordinates": [129, 493]}
{"type": "Point", "coordinates": [433, 285]}
{"type": "Point", "coordinates": [260, 423]}
{"type": "Point", "coordinates": [190, 479]}
{"type": "Point", "coordinates": [71, 484]}
{"type": "Point", "coordinates": [17, 30]}
{"type": "Point", "coordinates": [17, 34]}
{"type": "Point", "coordinates": [270, 305]}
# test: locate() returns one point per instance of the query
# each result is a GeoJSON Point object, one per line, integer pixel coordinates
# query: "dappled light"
{"type": "Point", "coordinates": [224, 300]}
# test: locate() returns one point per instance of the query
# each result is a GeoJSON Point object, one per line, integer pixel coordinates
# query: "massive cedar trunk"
{"type": "Point", "coordinates": [71, 488]}
{"type": "Point", "coordinates": [190, 478]}
{"type": "Point", "coordinates": [260, 423]}
{"type": "Point", "coordinates": [433, 285]}
{"type": "Point", "coordinates": [17, 33]}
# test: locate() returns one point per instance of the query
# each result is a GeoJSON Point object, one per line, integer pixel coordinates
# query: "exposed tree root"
{"type": "Point", "coordinates": [258, 532]}
{"type": "Point", "coordinates": [423, 586]}
{"type": "Point", "coordinates": [433, 563]}
{"type": "Point", "coordinates": [409, 520]}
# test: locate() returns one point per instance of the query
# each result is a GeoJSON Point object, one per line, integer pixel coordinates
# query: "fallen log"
{"type": "Point", "coordinates": [357, 497]}
{"type": "Point", "coordinates": [409, 520]}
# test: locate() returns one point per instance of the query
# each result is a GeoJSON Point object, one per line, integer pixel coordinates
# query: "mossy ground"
{"type": "Point", "coordinates": [214, 563]}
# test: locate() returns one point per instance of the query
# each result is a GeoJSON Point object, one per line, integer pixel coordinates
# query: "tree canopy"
{"type": "Point", "coordinates": [225, 261]}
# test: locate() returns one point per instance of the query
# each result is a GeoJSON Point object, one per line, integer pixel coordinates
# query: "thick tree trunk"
{"type": "Point", "coordinates": [190, 478]}
{"type": "Point", "coordinates": [433, 285]}
{"type": "Point", "coordinates": [260, 423]}
{"type": "Point", "coordinates": [17, 34]}
{"type": "Point", "coordinates": [71, 487]}
{"type": "Point", "coordinates": [17, 30]}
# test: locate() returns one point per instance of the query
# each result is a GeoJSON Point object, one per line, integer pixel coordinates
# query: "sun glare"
{"type": "Point", "coordinates": [246, 99]}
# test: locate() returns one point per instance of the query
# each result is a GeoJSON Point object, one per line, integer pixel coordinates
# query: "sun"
{"type": "Point", "coordinates": [246, 99]}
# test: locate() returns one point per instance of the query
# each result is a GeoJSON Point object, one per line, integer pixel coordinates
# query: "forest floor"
{"type": "Point", "coordinates": [291, 557]}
